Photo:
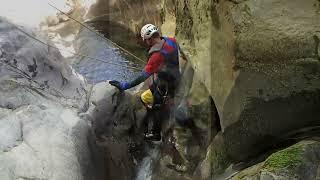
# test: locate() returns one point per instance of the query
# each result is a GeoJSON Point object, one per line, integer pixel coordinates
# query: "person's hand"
{"type": "Point", "coordinates": [120, 85]}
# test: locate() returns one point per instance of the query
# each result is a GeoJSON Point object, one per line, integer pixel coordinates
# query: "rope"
{"type": "Point", "coordinates": [100, 35]}
{"type": "Point", "coordinates": [81, 55]}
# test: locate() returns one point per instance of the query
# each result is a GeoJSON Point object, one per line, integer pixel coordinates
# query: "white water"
{"type": "Point", "coordinates": [145, 170]}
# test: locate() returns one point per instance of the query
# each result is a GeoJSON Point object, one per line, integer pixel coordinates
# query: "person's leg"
{"type": "Point", "coordinates": [155, 132]}
{"type": "Point", "coordinates": [156, 115]}
{"type": "Point", "coordinates": [147, 100]}
{"type": "Point", "coordinates": [160, 91]}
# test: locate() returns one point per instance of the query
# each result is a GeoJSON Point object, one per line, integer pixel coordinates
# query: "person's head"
{"type": "Point", "coordinates": [150, 34]}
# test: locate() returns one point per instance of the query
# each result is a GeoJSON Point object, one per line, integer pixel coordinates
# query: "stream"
{"type": "Point", "coordinates": [94, 71]}
{"type": "Point", "coordinates": [144, 171]}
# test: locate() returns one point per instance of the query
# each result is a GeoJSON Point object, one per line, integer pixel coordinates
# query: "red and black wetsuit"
{"type": "Point", "coordinates": [163, 63]}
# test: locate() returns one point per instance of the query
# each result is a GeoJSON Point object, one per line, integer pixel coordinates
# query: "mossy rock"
{"type": "Point", "coordinates": [299, 161]}
{"type": "Point", "coordinates": [218, 160]}
{"type": "Point", "coordinates": [287, 158]}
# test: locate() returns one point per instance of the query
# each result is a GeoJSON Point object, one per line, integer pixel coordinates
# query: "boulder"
{"type": "Point", "coordinates": [30, 62]}
{"type": "Point", "coordinates": [259, 61]}
{"type": "Point", "coordinates": [42, 136]}
{"type": "Point", "coordinates": [117, 123]}
{"type": "Point", "coordinates": [115, 113]}
{"type": "Point", "coordinates": [299, 161]}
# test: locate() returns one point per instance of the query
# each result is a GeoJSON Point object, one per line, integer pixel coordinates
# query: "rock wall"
{"type": "Point", "coordinates": [263, 62]}
{"type": "Point", "coordinates": [42, 136]}
{"type": "Point", "coordinates": [259, 61]}
{"type": "Point", "coordinates": [117, 119]}
{"type": "Point", "coordinates": [131, 14]}
{"type": "Point", "coordinates": [252, 76]}
{"type": "Point", "coordinates": [121, 21]}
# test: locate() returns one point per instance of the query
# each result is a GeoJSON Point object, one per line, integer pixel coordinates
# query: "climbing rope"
{"type": "Point", "coordinates": [76, 54]}
{"type": "Point", "coordinates": [98, 34]}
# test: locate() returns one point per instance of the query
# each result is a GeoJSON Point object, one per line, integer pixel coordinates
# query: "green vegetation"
{"type": "Point", "coordinates": [286, 158]}
{"type": "Point", "coordinates": [217, 159]}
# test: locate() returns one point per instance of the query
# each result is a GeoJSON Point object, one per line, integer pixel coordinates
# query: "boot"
{"type": "Point", "coordinates": [153, 136]}
{"type": "Point", "coordinates": [155, 133]}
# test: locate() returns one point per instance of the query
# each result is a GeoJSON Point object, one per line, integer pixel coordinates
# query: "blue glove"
{"type": "Point", "coordinates": [120, 85]}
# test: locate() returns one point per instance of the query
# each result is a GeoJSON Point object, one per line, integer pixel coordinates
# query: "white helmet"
{"type": "Point", "coordinates": [148, 30]}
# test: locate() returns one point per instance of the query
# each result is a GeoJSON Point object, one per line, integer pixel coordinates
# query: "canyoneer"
{"type": "Point", "coordinates": [163, 66]}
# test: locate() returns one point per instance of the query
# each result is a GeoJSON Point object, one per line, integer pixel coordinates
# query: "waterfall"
{"type": "Point", "coordinates": [145, 170]}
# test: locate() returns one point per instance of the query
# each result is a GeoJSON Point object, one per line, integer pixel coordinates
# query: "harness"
{"type": "Point", "coordinates": [169, 75]}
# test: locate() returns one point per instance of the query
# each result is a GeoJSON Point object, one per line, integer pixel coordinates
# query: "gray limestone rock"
{"type": "Point", "coordinates": [42, 136]}
{"type": "Point", "coordinates": [258, 60]}
{"type": "Point", "coordinates": [10, 133]}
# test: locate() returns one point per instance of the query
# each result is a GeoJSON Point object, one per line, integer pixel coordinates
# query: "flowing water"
{"type": "Point", "coordinates": [94, 46]}
{"type": "Point", "coordinates": [145, 169]}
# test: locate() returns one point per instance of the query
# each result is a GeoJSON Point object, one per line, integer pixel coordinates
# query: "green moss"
{"type": "Point", "coordinates": [286, 158]}
{"type": "Point", "coordinates": [217, 159]}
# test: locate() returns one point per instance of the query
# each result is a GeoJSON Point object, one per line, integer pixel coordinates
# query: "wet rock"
{"type": "Point", "coordinates": [116, 119]}
{"type": "Point", "coordinates": [113, 111]}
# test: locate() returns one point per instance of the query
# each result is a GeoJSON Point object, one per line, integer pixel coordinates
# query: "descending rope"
{"type": "Point", "coordinates": [99, 34]}
{"type": "Point", "coordinates": [81, 55]}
